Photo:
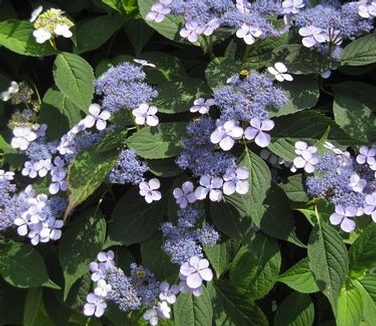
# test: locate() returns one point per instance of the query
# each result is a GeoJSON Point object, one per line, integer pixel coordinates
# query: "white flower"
{"type": "Point", "coordinates": [356, 183]}
{"type": "Point", "coordinates": [163, 310]}
{"type": "Point", "coordinates": [249, 33]}
{"type": "Point", "coordinates": [279, 71]}
{"type": "Point", "coordinates": [367, 10]}
{"type": "Point", "coordinates": [144, 63]}
{"type": "Point", "coordinates": [12, 89]}
{"type": "Point", "coordinates": [236, 180]}
{"type": "Point", "coordinates": [149, 190]}
{"type": "Point", "coordinates": [35, 14]}
{"type": "Point", "coordinates": [146, 114]}
{"type": "Point", "coordinates": [158, 11]}
{"type": "Point", "coordinates": [192, 30]}
{"type": "Point", "coordinates": [42, 35]}
{"type": "Point", "coordinates": [201, 105]}
{"type": "Point", "coordinates": [226, 133]}
{"type": "Point", "coordinates": [102, 288]}
{"type": "Point", "coordinates": [23, 137]}
{"type": "Point", "coordinates": [95, 305]}
{"type": "Point", "coordinates": [256, 131]}
{"type": "Point", "coordinates": [63, 30]}
{"type": "Point", "coordinates": [292, 6]}
{"type": "Point", "coordinates": [6, 175]}
{"type": "Point", "coordinates": [97, 117]}
{"type": "Point", "coordinates": [312, 35]}
{"type": "Point", "coordinates": [168, 293]}
{"type": "Point", "coordinates": [307, 161]}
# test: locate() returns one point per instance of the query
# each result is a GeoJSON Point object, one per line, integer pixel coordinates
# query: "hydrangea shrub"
{"type": "Point", "coordinates": [184, 162]}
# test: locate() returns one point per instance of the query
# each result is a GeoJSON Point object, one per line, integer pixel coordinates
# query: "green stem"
{"type": "Point", "coordinates": [209, 46]}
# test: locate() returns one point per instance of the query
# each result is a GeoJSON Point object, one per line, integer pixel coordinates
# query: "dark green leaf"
{"type": "Point", "coordinates": [12, 302]}
{"type": "Point", "coordinates": [17, 36]}
{"type": "Point", "coordinates": [139, 33]}
{"type": "Point", "coordinates": [256, 265]}
{"type": "Point", "coordinates": [79, 245]}
{"type": "Point", "coordinates": [328, 261]}
{"type": "Point", "coordinates": [35, 312]}
{"type": "Point", "coordinates": [219, 70]}
{"type": "Point", "coordinates": [75, 78]}
{"type": "Point", "coordinates": [360, 52]}
{"type": "Point", "coordinates": [300, 278]}
{"type": "Point", "coordinates": [164, 168]}
{"type": "Point", "coordinates": [158, 142]}
{"type": "Point", "coordinates": [130, 216]}
{"type": "Point", "coordinates": [193, 311]}
{"type": "Point", "coordinates": [293, 187]}
{"type": "Point", "coordinates": [295, 310]}
{"type": "Point", "coordinates": [354, 109]}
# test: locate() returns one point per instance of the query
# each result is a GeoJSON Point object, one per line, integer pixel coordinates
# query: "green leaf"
{"type": "Point", "coordinates": [256, 265]}
{"type": "Point", "coordinates": [350, 306]}
{"type": "Point", "coordinates": [86, 173]}
{"type": "Point", "coordinates": [303, 93]}
{"type": "Point", "coordinates": [158, 142]}
{"type": "Point", "coordinates": [300, 278]}
{"type": "Point", "coordinates": [293, 187]}
{"type": "Point", "coordinates": [130, 216]}
{"type": "Point", "coordinates": [17, 36]}
{"type": "Point", "coordinates": [360, 52]}
{"type": "Point", "coordinates": [35, 313]}
{"type": "Point", "coordinates": [362, 253]}
{"type": "Point", "coordinates": [328, 261]}
{"type": "Point", "coordinates": [369, 283]}
{"type": "Point", "coordinates": [75, 78]}
{"type": "Point", "coordinates": [12, 302]}
{"type": "Point", "coordinates": [4, 145]}
{"type": "Point", "coordinates": [156, 260]}
{"type": "Point", "coordinates": [79, 245]}
{"type": "Point", "coordinates": [219, 70]}
{"type": "Point", "coordinates": [139, 34]}
{"type": "Point", "coordinates": [178, 95]}
{"type": "Point", "coordinates": [295, 310]}
{"type": "Point", "coordinates": [232, 308]}
{"type": "Point", "coordinates": [164, 168]}
{"type": "Point", "coordinates": [95, 32]}
{"type": "Point", "coordinates": [308, 126]}
{"type": "Point", "coordinates": [67, 115]}
{"type": "Point", "coordinates": [354, 109]}
{"type": "Point", "coordinates": [221, 255]}
{"type": "Point", "coordinates": [193, 311]}
{"type": "Point", "coordinates": [169, 27]}
{"type": "Point", "coordinates": [22, 266]}
{"type": "Point", "coordinates": [369, 304]}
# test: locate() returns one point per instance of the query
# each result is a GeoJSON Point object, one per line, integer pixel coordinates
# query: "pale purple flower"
{"type": "Point", "coordinates": [292, 6]}
{"type": "Point", "coordinates": [95, 305]}
{"type": "Point", "coordinates": [158, 11]}
{"type": "Point", "coordinates": [195, 271]}
{"type": "Point", "coordinates": [366, 155]}
{"type": "Point", "coordinates": [6, 175]}
{"type": "Point", "coordinates": [201, 105]}
{"type": "Point", "coordinates": [312, 35]}
{"type": "Point", "coordinates": [236, 180]}
{"type": "Point", "coordinates": [22, 222]}
{"type": "Point", "coordinates": [148, 189]}
{"type": "Point", "coordinates": [256, 131]}
{"type": "Point", "coordinates": [306, 161]}
{"type": "Point", "coordinates": [35, 14]}
{"type": "Point", "coordinates": [279, 71]}
{"type": "Point", "coordinates": [243, 6]}
{"type": "Point", "coordinates": [22, 137]}
{"type": "Point", "coordinates": [152, 316]}
{"type": "Point", "coordinates": [168, 293]}
{"type": "Point", "coordinates": [342, 217]}
{"type": "Point", "coordinates": [184, 288]}
{"type": "Point", "coordinates": [367, 10]}
{"type": "Point", "coordinates": [29, 170]}
{"type": "Point", "coordinates": [106, 258]}
{"type": "Point", "coordinates": [210, 27]}
{"type": "Point", "coordinates": [249, 33]}
{"type": "Point", "coordinates": [97, 117]}
{"type": "Point", "coordinates": [226, 133]}
{"type": "Point", "coordinates": [192, 30]}
{"type": "Point", "coordinates": [51, 230]}
{"type": "Point", "coordinates": [185, 194]}
{"type": "Point", "coordinates": [43, 166]}
{"type": "Point", "coordinates": [356, 183]}
{"type": "Point", "coordinates": [146, 114]}
{"type": "Point", "coordinates": [59, 181]}
{"type": "Point", "coordinates": [370, 206]}
{"type": "Point", "coordinates": [163, 310]}
{"type": "Point", "coordinates": [209, 185]}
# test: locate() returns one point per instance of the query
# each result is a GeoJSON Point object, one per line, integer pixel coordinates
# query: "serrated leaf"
{"type": "Point", "coordinates": [295, 310]}
{"type": "Point", "coordinates": [300, 278]}
{"type": "Point", "coordinates": [95, 32]}
{"type": "Point", "coordinates": [17, 36]}
{"type": "Point", "coordinates": [86, 173]}
{"type": "Point", "coordinates": [362, 253]}
{"type": "Point", "coordinates": [169, 27]}
{"type": "Point", "coordinates": [219, 70]}
{"type": "Point", "coordinates": [193, 311]}
{"type": "Point", "coordinates": [79, 245]}
{"type": "Point", "coordinates": [22, 266]}
{"type": "Point", "coordinates": [256, 265]}
{"type": "Point", "coordinates": [369, 283]}
{"type": "Point", "coordinates": [350, 306]}
{"type": "Point", "coordinates": [328, 261]}
{"type": "Point", "coordinates": [303, 93]}
{"type": "Point", "coordinates": [232, 307]}
{"type": "Point", "coordinates": [294, 188]}
{"type": "Point", "coordinates": [220, 255]}
{"type": "Point", "coordinates": [158, 142]}
{"type": "Point", "coordinates": [360, 52]}
{"type": "Point", "coordinates": [130, 216]}
{"type": "Point", "coordinates": [369, 306]}
{"type": "Point", "coordinates": [75, 78]}
{"type": "Point", "coordinates": [354, 109]}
